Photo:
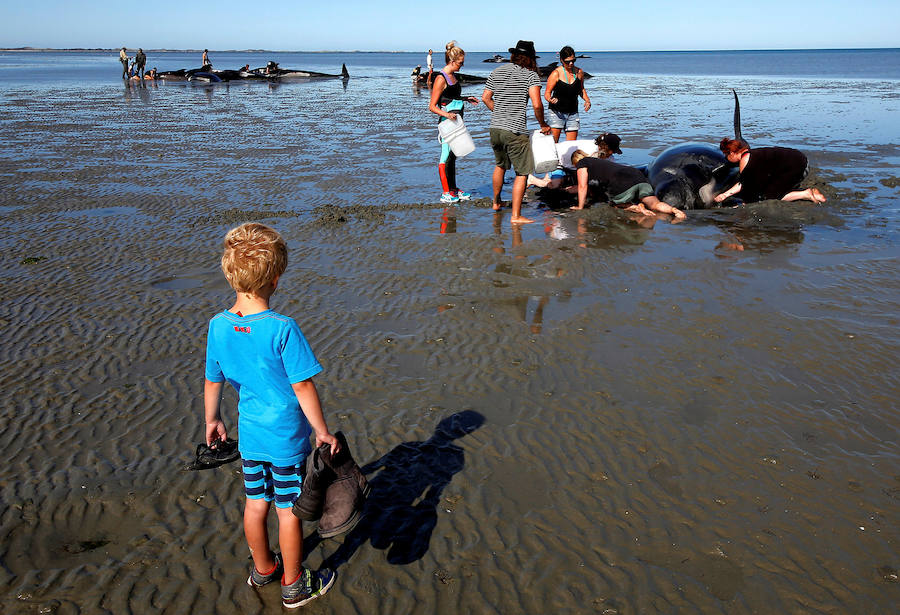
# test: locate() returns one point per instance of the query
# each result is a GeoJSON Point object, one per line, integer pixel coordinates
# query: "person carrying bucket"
{"type": "Point", "coordinates": [447, 101]}
{"type": "Point", "coordinates": [507, 92]}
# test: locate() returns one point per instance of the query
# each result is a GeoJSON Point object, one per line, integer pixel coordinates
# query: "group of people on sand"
{"type": "Point", "coordinates": [133, 67]}
{"type": "Point", "coordinates": [266, 358]}
{"type": "Point", "coordinates": [774, 173]}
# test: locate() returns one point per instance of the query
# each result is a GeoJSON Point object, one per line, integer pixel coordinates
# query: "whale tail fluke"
{"type": "Point", "coordinates": [344, 73]}
{"type": "Point", "coordinates": [737, 116]}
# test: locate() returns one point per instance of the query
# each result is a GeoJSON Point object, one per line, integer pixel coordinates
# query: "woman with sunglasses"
{"type": "Point", "coordinates": [447, 101]}
{"type": "Point", "coordinates": [564, 85]}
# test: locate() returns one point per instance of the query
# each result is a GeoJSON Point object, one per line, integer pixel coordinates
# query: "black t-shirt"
{"type": "Point", "coordinates": [771, 173]}
{"type": "Point", "coordinates": [611, 177]}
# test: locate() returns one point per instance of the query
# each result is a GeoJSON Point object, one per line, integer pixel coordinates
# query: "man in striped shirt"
{"type": "Point", "coordinates": [506, 94]}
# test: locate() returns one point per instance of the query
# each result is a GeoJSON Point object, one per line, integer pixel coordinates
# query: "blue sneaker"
{"type": "Point", "coordinates": [258, 579]}
{"type": "Point", "coordinates": [449, 197]}
{"type": "Point", "coordinates": [462, 195]}
{"type": "Point", "coordinates": [308, 586]}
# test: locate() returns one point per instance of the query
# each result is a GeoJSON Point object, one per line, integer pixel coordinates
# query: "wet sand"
{"type": "Point", "coordinates": [643, 420]}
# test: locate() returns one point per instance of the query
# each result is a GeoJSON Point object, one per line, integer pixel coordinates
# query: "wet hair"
{"type": "Point", "coordinates": [578, 155]}
{"type": "Point", "coordinates": [733, 146]}
{"type": "Point", "coordinates": [520, 59]}
{"type": "Point", "coordinates": [254, 256]}
{"type": "Point", "coordinates": [453, 52]}
{"type": "Point", "coordinates": [565, 52]}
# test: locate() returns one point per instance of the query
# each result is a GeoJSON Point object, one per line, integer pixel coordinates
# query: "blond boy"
{"type": "Point", "coordinates": [268, 361]}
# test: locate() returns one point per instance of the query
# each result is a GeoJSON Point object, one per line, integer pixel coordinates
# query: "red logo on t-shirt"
{"type": "Point", "coordinates": [242, 329]}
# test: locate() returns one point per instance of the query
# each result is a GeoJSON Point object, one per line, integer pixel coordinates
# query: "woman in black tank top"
{"type": "Point", "coordinates": [564, 86]}
{"type": "Point", "coordinates": [447, 102]}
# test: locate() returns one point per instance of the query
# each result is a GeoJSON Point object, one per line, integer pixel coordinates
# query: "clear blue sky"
{"type": "Point", "coordinates": [478, 25]}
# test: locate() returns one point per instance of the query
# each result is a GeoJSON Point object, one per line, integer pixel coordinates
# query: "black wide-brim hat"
{"type": "Point", "coordinates": [526, 48]}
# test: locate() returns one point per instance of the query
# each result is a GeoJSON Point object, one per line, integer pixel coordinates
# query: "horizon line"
{"type": "Point", "coordinates": [188, 50]}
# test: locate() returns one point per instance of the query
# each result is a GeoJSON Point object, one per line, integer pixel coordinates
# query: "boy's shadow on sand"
{"type": "Point", "coordinates": [401, 510]}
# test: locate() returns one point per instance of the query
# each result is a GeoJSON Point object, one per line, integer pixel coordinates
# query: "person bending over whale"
{"type": "Point", "coordinates": [624, 186]}
{"type": "Point", "coordinates": [767, 173]}
{"type": "Point", "coordinates": [606, 145]}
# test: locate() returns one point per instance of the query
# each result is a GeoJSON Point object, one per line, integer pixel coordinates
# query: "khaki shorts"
{"type": "Point", "coordinates": [512, 150]}
{"type": "Point", "coordinates": [633, 194]}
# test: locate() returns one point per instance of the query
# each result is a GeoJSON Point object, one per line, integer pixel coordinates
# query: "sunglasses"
{"type": "Point", "coordinates": [571, 61]}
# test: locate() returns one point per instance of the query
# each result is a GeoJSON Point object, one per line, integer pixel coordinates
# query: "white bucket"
{"type": "Point", "coordinates": [543, 147]}
{"type": "Point", "coordinates": [456, 135]}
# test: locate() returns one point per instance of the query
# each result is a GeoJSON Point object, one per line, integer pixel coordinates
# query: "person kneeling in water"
{"type": "Point", "coordinates": [767, 173]}
{"type": "Point", "coordinates": [624, 186]}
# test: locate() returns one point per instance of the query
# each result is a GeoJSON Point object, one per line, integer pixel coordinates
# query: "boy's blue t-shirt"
{"type": "Point", "coordinates": [261, 355]}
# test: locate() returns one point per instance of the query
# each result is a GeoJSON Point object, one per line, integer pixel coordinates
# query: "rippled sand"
{"type": "Point", "coordinates": [644, 420]}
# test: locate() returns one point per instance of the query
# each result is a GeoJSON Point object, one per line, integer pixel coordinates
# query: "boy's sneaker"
{"type": "Point", "coordinates": [309, 585]}
{"type": "Point", "coordinates": [449, 197]}
{"type": "Point", "coordinates": [258, 579]}
{"type": "Point", "coordinates": [462, 195]}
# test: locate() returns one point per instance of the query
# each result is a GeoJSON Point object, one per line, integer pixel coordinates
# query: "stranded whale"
{"type": "Point", "coordinates": [690, 175]}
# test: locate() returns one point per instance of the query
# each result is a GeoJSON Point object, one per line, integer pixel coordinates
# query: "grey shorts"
{"type": "Point", "coordinates": [633, 194]}
{"type": "Point", "coordinates": [512, 150]}
{"type": "Point", "coordinates": [568, 122]}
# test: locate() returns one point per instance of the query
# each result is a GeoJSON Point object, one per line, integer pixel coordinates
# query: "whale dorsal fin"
{"type": "Point", "coordinates": [737, 116]}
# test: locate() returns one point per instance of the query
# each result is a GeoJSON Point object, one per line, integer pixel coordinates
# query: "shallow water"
{"type": "Point", "coordinates": [668, 425]}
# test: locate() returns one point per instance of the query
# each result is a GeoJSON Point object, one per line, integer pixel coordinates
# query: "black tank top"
{"type": "Point", "coordinates": [566, 95]}
{"type": "Point", "coordinates": [451, 92]}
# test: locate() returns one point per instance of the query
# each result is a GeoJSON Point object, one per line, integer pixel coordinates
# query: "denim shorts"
{"type": "Point", "coordinates": [568, 122]}
{"type": "Point", "coordinates": [263, 481]}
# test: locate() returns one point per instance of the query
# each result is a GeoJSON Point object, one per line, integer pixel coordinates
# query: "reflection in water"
{"type": "Point", "coordinates": [762, 227]}
{"type": "Point", "coordinates": [448, 221]}
{"type": "Point", "coordinates": [523, 303]}
{"type": "Point", "coordinates": [611, 229]}
{"type": "Point", "coordinates": [135, 90]}
{"type": "Point", "coordinates": [537, 316]}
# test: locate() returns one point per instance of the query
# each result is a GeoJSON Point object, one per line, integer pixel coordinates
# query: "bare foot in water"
{"type": "Point", "coordinates": [520, 220]}
{"type": "Point", "coordinates": [640, 209]}
{"type": "Point", "coordinates": [498, 206]}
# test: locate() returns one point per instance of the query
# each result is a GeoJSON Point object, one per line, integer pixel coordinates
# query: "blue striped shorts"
{"type": "Point", "coordinates": [263, 481]}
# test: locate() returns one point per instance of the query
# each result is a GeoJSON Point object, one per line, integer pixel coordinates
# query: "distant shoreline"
{"type": "Point", "coordinates": [116, 50]}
